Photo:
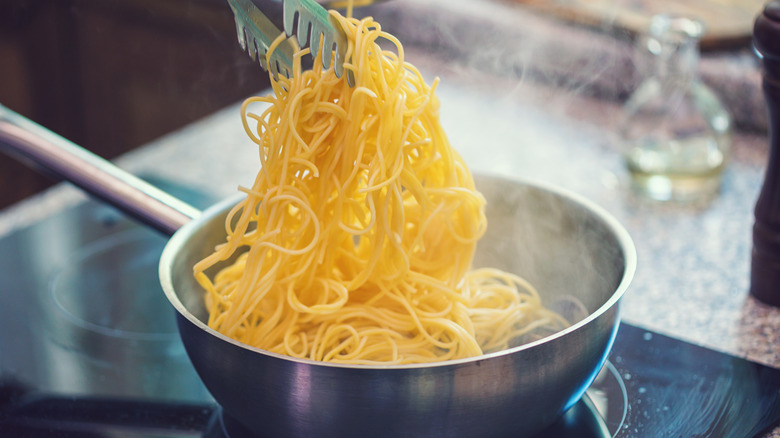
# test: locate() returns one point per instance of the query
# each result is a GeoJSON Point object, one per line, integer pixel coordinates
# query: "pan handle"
{"type": "Point", "coordinates": [41, 148]}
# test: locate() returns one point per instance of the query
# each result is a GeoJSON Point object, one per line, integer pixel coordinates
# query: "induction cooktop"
{"type": "Point", "coordinates": [74, 365]}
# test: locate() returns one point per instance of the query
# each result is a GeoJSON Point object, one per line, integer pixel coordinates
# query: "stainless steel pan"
{"type": "Point", "coordinates": [578, 256]}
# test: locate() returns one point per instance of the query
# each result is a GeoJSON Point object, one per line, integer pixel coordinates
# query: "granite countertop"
{"type": "Point", "coordinates": [692, 279]}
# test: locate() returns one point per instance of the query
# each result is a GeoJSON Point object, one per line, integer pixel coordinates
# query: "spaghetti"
{"type": "Point", "coordinates": [357, 237]}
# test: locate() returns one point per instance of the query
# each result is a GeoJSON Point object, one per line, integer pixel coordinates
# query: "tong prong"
{"type": "Point", "coordinates": [315, 28]}
{"type": "Point", "coordinates": [256, 33]}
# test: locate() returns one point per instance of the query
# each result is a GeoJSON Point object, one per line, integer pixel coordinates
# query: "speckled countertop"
{"type": "Point", "coordinates": [693, 262]}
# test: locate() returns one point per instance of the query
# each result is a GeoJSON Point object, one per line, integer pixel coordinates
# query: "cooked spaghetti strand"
{"type": "Point", "coordinates": [358, 234]}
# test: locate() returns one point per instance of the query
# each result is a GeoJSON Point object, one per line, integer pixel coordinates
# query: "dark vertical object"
{"type": "Point", "coordinates": [765, 269]}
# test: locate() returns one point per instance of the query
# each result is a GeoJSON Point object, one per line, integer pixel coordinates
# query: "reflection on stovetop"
{"type": "Point", "coordinates": [652, 386]}
{"type": "Point", "coordinates": [679, 389]}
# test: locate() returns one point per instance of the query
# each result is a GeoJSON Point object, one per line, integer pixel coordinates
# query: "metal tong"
{"type": "Point", "coordinates": [313, 28]}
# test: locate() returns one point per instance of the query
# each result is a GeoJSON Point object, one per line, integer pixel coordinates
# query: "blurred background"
{"type": "Point", "coordinates": [111, 75]}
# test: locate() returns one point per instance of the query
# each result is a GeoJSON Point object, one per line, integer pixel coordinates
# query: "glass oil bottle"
{"type": "Point", "coordinates": [676, 133]}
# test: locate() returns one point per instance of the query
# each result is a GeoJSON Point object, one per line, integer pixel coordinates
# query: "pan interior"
{"type": "Point", "coordinates": [571, 253]}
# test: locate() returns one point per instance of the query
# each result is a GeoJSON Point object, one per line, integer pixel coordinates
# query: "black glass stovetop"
{"type": "Point", "coordinates": [75, 365]}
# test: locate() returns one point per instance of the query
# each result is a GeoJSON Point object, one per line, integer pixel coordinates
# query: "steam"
{"type": "Point", "coordinates": [505, 40]}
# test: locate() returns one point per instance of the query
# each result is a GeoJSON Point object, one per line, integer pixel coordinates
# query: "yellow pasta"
{"type": "Point", "coordinates": [357, 237]}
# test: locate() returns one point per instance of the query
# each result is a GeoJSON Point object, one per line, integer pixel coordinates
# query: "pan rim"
{"type": "Point", "coordinates": [621, 234]}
